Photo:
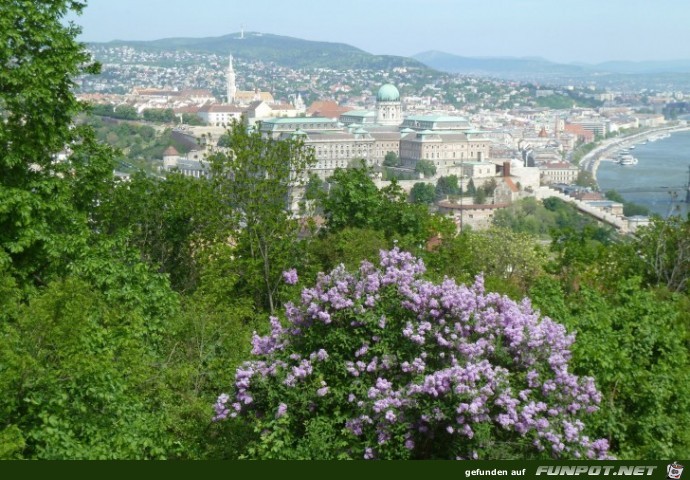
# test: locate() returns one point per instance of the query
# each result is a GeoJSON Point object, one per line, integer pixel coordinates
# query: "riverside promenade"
{"type": "Point", "coordinates": [590, 162]}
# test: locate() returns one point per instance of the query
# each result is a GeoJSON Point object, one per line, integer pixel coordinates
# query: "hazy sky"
{"type": "Point", "coordinates": [560, 30]}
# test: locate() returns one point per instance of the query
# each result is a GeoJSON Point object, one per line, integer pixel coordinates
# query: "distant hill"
{"type": "Point", "coordinates": [494, 65]}
{"type": "Point", "coordinates": [528, 66]}
{"type": "Point", "coordinates": [285, 51]}
{"type": "Point", "coordinates": [649, 67]}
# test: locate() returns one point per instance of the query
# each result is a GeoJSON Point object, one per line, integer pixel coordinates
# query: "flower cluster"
{"type": "Point", "coordinates": [430, 368]}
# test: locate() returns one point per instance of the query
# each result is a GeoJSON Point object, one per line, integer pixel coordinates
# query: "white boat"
{"type": "Point", "coordinates": [627, 160]}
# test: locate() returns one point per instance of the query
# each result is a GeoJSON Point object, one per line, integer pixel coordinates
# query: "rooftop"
{"type": "Point", "coordinates": [388, 93]}
{"type": "Point", "coordinates": [435, 118]}
{"type": "Point", "coordinates": [359, 113]}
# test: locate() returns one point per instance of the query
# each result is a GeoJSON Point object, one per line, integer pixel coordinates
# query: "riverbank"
{"type": "Point", "coordinates": [658, 181]}
{"type": "Point", "coordinates": [590, 162]}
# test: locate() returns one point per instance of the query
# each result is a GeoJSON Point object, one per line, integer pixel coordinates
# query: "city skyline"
{"type": "Point", "coordinates": [588, 31]}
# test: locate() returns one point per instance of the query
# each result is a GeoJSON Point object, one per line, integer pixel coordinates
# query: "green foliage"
{"type": "Point", "coordinates": [169, 221]}
{"type": "Point", "coordinates": [423, 193]}
{"type": "Point", "coordinates": [352, 198]}
{"type": "Point", "coordinates": [123, 112]}
{"type": "Point", "coordinates": [355, 201]}
{"type": "Point", "coordinates": [349, 246]}
{"type": "Point", "coordinates": [258, 181]}
{"type": "Point", "coordinates": [76, 379]}
{"type": "Point", "coordinates": [632, 341]}
{"type": "Point", "coordinates": [586, 179]}
{"type": "Point", "coordinates": [192, 119]}
{"type": "Point", "coordinates": [566, 216]}
{"type": "Point", "coordinates": [391, 174]}
{"type": "Point", "coordinates": [205, 342]}
{"type": "Point", "coordinates": [44, 203]}
{"type": "Point", "coordinates": [582, 150]}
{"type": "Point", "coordinates": [426, 168]}
{"type": "Point", "coordinates": [471, 189]}
{"type": "Point", "coordinates": [490, 186]}
{"type": "Point", "coordinates": [313, 188]}
{"type": "Point", "coordinates": [555, 102]}
{"type": "Point", "coordinates": [510, 261]}
{"type": "Point", "coordinates": [629, 209]}
{"type": "Point", "coordinates": [139, 147]}
{"type": "Point", "coordinates": [159, 115]}
{"type": "Point", "coordinates": [545, 219]}
{"type": "Point", "coordinates": [480, 196]}
{"type": "Point", "coordinates": [447, 186]}
{"type": "Point", "coordinates": [664, 250]}
{"type": "Point", "coordinates": [391, 160]}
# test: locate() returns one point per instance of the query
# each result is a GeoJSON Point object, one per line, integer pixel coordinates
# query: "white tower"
{"type": "Point", "coordinates": [232, 89]}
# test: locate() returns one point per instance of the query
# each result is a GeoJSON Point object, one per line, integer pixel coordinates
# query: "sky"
{"type": "Point", "coordinates": [589, 31]}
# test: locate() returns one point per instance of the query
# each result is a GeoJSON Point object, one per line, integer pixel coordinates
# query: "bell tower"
{"type": "Point", "coordinates": [232, 89]}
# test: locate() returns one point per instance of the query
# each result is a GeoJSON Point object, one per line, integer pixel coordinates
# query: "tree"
{"type": "Point", "coordinates": [509, 261]}
{"type": "Point", "coordinates": [391, 160]}
{"type": "Point", "coordinates": [426, 168]}
{"type": "Point", "coordinates": [471, 189]}
{"type": "Point", "coordinates": [44, 203]}
{"type": "Point", "coordinates": [585, 179]}
{"type": "Point", "coordinates": [171, 222]}
{"type": "Point", "coordinates": [423, 193]}
{"type": "Point", "coordinates": [352, 200]}
{"type": "Point", "coordinates": [259, 180]}
{"type": "Point", "coordinates": [349, 246]}
{"type": "Point", "coordinates": [125, 112]}
{"type": "Point", "coordinates": [480, 196]}
{"type": "Point", "coordinates": [159, 115]}
{"type": "Point", "coordinates": [314, 187]}
{"type": "Point", "coordinates": [81, 360]}
{"type": "Point", "coordinates": [629, 209]}
{"type": "Point", "coordinates": [355, 201]}
{"type": "Point", "coordinates": [368, 367]}
{"type": "Point", "coordinates": [447, 186]}
{"type": "Point", "coordinates": [490, 187]}
{"type": "Point", "coordinates": [634, 341]}
{"type": "Point", "coordinates": [192, 119]}
{"type": "Point", "coordinates": [664, 248]}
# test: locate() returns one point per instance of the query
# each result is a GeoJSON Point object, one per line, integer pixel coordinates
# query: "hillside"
{"type": "Point", "coordinates": [286, 51]}
{"type": "Point", "coordinates": [495, 65]}
{"type": "Point", "coordinates": [528, 68]}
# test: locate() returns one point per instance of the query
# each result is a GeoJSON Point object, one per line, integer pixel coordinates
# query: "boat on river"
{"type": "Point", "coordinates": [627, 160]}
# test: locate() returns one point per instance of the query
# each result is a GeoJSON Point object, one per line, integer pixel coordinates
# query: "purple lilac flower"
{"type": "Point", "coordinates": [290, 276]}
{"type": "Point", "coordinates": [282, 410]}
{"type": "Point", "coordinates": [450, 334]}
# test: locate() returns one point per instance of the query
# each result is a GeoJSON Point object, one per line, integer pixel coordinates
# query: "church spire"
{"type": "Point", "coordinates": [232, 89]}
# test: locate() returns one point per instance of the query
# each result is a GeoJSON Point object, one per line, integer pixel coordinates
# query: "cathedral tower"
{"type": "Point", "coordinates": [232, 89]}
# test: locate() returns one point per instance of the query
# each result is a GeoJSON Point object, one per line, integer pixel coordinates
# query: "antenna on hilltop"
{"type": "Point", "coordinates": [242, 31]}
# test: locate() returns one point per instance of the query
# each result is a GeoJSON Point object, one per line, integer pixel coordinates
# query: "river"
{"type": "Point", "coordinates": [660, 178]}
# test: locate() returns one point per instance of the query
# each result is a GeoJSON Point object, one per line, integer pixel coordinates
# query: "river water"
{"type": "Point", "coordinates": [660, 178]}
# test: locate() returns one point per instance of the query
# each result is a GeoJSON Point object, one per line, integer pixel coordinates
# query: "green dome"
{"type": "Point", "coordinates": [388, 93]}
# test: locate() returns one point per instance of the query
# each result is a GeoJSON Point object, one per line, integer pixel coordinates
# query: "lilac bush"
{"type": "Point", "coordinates": [381, 363]}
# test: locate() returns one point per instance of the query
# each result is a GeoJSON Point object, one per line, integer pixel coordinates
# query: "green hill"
{"type": "Point", "coordinates": [285, 51]}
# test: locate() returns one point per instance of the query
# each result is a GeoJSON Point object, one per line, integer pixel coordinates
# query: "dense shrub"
{"type": "Point", "coordinates": [383, 364]}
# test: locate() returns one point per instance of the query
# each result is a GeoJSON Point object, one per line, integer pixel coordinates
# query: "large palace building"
{"type": "Point", "coordinates": [369, 135]}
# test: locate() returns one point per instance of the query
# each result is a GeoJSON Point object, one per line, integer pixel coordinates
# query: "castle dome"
{"type": "Point", "coordinates": [388, 93]}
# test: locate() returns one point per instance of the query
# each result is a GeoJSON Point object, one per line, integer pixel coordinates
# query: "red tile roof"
{"type": "Point", "coordinates": [327, 109]}
{"type": "Point", "coordinates": [170, 151]}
